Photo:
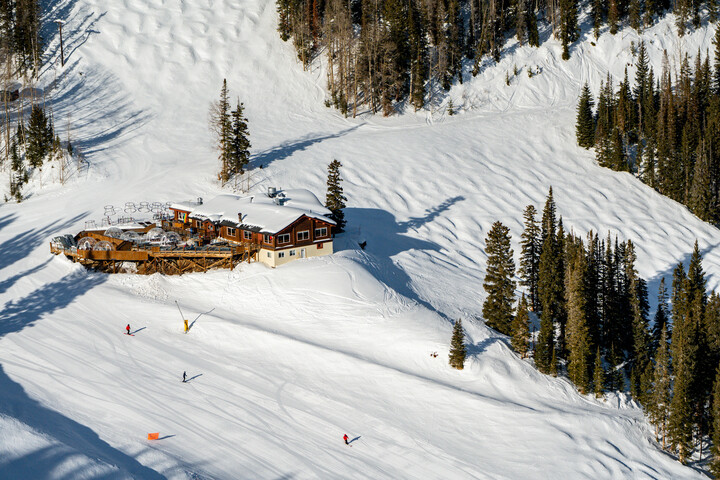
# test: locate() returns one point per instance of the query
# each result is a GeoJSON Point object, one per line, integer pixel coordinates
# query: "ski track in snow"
{"type": "Point", "coordinates": [283, 362]}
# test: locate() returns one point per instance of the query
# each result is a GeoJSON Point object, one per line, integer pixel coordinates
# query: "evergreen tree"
{"type": "Point", "coordinates": [568, 25]}
{"type": "Point", "coordinates": [613, 15]}
{"type": "Point", "coordinates": [635, 14]}
{"type": "Point", "coordinates": [221, 125]}
{"type": "Point", "coordinates": [532, 29]}
{"type": "Point", "coordinates": [335, 199]}
{"type": "Point", "coordinates": [592, 289]}
{"type": "Point", "coordinates": [39, 137]}
{"type": "Point", "coordinates": [659, 405]}
{"type": "Point", "coordinates": [457, 347]}
{"type": "Point", "coordinates": [239, 155]}
{"type": "Point", "coordinates": [521, 329]}
{"type": "Point", "coordinates": [680, 421]}
{"type": "Point", "coordinates": [597, 16]}
{"type": "Point", "coordinates": [661, 323]}
{"type": "Point", "coordinates": [598, 375]}
{"type": "Point", "coordinates": [530, 256]}
{"type": "Point", "coordinates": [550, 288]}
{"type": "Point", "coordinates": [711, 328]}
{"type": "Point", "coordinates": [578, 337]}
{"type": "Point", "coordinates": [715, 449]}
{"type": "Point", "coordinates": [614, 379]}
{"type": "Point", "coordinates": [641, 80]}
{"type": "Point", "coordinates": [684, 350]}
{"type": "Point", "coordinates": [499, 284]}
{"type": "Point", "coordinates": [640, 357]}
{"type": "Point", "coordinates": [585, 125]}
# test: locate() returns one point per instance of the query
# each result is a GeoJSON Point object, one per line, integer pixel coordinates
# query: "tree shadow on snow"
{"type": "Point", "coordinates": [285, 150]}
{"type": "Point", "coordinates": [385, 238]}
{"type": "Point", "coordinates": [22, 244]}
{"type": "Point", "coordinates": [46, 299]}
{"type": "Point", "coordinates": [10, 281]}
{"type": "Point", "coordinates": [73, 437]}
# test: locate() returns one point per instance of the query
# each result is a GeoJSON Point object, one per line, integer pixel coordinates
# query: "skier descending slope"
{"type": "Point", "coordinates": [127, 329]}
{"type": "Point", "coordinates": [345, 437]}
{"type": "Point", "coordinates": [184, 376]}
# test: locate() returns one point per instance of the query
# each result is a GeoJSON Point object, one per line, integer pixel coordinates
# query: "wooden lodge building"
{"type": "Point", "coordinates": [285, 225]}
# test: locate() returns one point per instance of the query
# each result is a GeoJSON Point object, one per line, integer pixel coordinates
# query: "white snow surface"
{"type": "Point", "coordinates": [283, 362]}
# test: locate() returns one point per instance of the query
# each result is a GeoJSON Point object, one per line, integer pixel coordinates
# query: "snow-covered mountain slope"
{"type": "Point", "coordinates": [283, 362]}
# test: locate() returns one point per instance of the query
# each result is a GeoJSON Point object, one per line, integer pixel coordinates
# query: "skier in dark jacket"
{"type": "Point", "coordinates": [345, 437]}
{"type": "Point", "coordinates": [127, 329]}
{"type": "Point", "coordinates": [184, 376]}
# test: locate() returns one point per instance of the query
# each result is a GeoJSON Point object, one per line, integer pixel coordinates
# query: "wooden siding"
{"type": "Point", "coordinates": [303, 223]}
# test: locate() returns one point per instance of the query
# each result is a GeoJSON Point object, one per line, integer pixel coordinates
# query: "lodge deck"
{"type": "Point", "coordinates": [152, 259]}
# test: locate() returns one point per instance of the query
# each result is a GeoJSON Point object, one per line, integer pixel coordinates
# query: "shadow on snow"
{"type": "Point", "coordinates": [386, 238]}
{"type": "Point", "coordinates": [72, 436]}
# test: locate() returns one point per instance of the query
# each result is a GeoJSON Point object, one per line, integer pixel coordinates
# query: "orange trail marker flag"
{"type": "Point", "coordinates": [186, 326]}
{"type": "Point", "coordinates": [153, 436]}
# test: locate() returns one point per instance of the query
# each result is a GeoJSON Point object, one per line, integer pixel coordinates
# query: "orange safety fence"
{"type": "Point", "coordinates": [153, 436]}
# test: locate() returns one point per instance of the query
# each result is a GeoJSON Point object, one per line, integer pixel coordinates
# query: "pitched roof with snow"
{"type": "Point", "coordinates": [261, 213]}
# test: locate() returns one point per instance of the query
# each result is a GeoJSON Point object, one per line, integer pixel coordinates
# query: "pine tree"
{"type": "Point", "coordinates": [659, 406]}
{"type": "Point", "coordinates": [39, 137]}
{"type": "Point", "coordinates": [499, 284]}
{"type": "Point", "coordinates": [680, 420]}
{"type": "Point", "coordinates": [335, 199]}
{"type": "Point", "coordinates": [597, 17]}
{"type": "Point", "coordinates": [702, 198]}
{"type": "Point", "coordinates": [684, 350]}
{"type": "Point", "coordinates": [521, 329]}
{"type": "Point", "coordinates": [661, 323]}
{"type": "Point", "coordinates": [635, 14]}
{"type": "Point", "coordinates": [711, 328]}
{"type": "Point", "coordinates": [550, 288]}
{"type": "Point", "coordinates": [641, 79]}
{"type": "Point", "coordinates": [592, 289]}
{"type": "Point", "coordinates": [637, 290]}
{"type": "Point", "coordinates": [221, 126]}
{"type": "Point", "coordinates": [239, 155]}
{"type": "Point", "coordinates": [457, 347]}
{"type": "Point", "coordinates": [532, 29]}
{"type": "Point", "coordinates": [598, 375]}
{"type": "Point", "coordinates": [585, 125]}
{"type": "Point", "coordinates": [615, 379]}
{"type": "Point", "coordinates": [578, 337]}
{"type": "Point", "coordinates": [715, 449]}
{"type": "Point", "coordinates": [568, 25]}
{"type": "Point", "coordinates": [613, 15]}
{"type": "Point", "coordinates": [530, 257]}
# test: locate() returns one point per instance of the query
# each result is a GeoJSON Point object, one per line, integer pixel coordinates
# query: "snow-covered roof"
{"type": "Point", "coordinates": [184, 206]}
{"type": "Point", "coordinates": [260, 212]}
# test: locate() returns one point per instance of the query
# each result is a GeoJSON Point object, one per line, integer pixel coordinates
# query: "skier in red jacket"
{"type": "Point", "coordinates": [345, 437]}
{"type": "Point", "coordinates": [128, 329]}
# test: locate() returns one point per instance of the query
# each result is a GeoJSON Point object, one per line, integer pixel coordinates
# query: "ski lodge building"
{"type": "Point", "coordinates": [286, 225]}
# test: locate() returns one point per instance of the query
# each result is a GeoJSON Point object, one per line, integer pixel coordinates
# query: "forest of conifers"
{"type": "Point", "coordinates": [382, 53]}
